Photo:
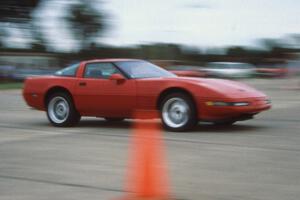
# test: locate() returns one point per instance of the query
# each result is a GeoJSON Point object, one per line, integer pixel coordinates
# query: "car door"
{"type": "Point", "coordinates": [97, 95]}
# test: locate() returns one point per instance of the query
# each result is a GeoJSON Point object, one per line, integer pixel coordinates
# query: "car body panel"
{"type": "Point", "coordinates": [35, 88]}
{"type": "Point", "coordinates": [104, 97]}
{"type": "Point", "coordinates": [188, 73]}
{"type": "Point", "coordinates": [187, 70]}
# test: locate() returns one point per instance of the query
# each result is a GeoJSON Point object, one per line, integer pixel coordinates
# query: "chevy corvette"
{"type": "Point", "coordinates": [117, 88]}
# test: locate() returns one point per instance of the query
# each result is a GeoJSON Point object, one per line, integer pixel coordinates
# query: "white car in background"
{"type": "Point", "coordinates": [230, 70]}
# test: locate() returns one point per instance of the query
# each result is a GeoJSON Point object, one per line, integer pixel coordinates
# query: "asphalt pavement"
{"type": "Point", "coordinates": [251, 160]}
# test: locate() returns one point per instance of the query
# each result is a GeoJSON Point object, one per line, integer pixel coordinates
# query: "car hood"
{"type": "Point", "coordinates": [226, 88]}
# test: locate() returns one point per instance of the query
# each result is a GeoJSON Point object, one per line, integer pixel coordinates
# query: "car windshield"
{"type": "Point", "coordinates": [142, 69]}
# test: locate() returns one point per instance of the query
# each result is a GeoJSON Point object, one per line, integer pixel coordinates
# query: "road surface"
{"type": "Point", "coordinates": [255, 159]}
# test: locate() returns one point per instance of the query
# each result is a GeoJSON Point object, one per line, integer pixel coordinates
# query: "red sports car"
{"type": "Point", "coordinates": [117, 88]}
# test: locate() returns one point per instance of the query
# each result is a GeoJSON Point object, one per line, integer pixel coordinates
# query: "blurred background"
{"type": "Point", "coordinates": [216, 38]}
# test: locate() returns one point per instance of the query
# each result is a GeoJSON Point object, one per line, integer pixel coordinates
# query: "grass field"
{"type": "Point", "coordinates": [14, 85]}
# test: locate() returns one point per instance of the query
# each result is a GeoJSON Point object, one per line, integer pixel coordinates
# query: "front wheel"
{"type": "Point", "coordinates": [178, 112]}
{"type": "Point", "coordinates": [61, 110]}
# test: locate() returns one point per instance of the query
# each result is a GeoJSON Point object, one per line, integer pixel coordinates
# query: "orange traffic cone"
{"type": "Point", "coordinates": [147, 177]}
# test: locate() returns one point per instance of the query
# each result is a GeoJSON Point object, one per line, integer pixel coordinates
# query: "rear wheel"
{"type": "Point", "coordinates": [178, 112]}
{"type": "Point", "coordinates": [61, 110]}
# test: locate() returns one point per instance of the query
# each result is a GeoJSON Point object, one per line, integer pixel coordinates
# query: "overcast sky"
{"type": "Point", "coordinates": [199, 23]}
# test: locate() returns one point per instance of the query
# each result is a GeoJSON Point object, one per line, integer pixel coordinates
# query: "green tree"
{"type": "Point", "coordinates": [86, 22]}
{"type": "Point", "coordinates": [270, 43]}
{"type": "Point", "coordinates": [19, 13]}
{"type": "Point", "coordinates": [236, 51]}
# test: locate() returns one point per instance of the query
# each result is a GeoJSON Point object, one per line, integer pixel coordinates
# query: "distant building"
{"type": "Point", "coordinates": [30, 60]}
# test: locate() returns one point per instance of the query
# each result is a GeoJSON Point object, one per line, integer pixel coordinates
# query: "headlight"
{"type": "Point", "coordinates": [221, 103]}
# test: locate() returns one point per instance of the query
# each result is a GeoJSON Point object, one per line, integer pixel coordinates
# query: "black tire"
{"type": "Point", "coordinates": [70, 119]}
{"type": "Point", "coordinates": [114, 119]}
{"type": "Point", "coordinates": [190, 114]}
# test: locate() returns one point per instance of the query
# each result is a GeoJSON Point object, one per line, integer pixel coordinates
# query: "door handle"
{"type": "Point", "coordinates": [82, 84]}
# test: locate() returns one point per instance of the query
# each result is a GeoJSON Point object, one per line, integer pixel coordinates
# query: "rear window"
{"type": "Point", "coordinates": [68, 71]}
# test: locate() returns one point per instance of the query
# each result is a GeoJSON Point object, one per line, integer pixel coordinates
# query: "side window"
{"type": "Point", "coordinates": [68, 71]}
{"type": "Point", "coordinates": [100, 70]}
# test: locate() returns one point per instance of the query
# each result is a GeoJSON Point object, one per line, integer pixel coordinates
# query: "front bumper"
{"type": "Point", "coordinates": [219, 113]}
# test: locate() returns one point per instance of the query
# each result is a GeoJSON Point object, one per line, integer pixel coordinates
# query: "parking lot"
{"type": "Point", "coordinates": [255, 159]}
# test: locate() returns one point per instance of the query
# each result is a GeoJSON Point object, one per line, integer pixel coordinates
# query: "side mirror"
{"type": "Point", "coordinates": [119, 78]}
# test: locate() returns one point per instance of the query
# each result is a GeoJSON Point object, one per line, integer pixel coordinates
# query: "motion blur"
{"type": "Point", "coordinates": [95, 48]}
{"type": "Point", "coordinates": [39, 37]}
